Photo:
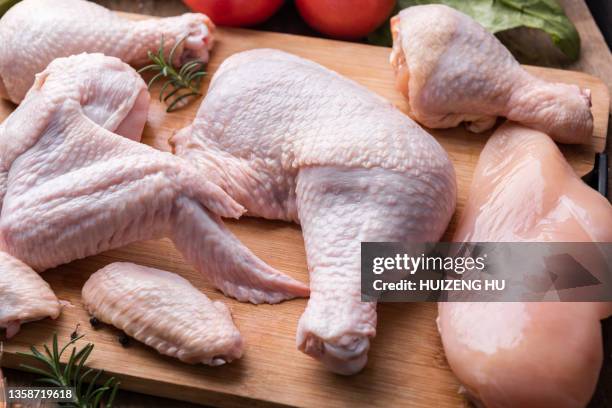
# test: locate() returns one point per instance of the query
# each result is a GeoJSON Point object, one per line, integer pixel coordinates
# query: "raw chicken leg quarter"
{"type": "Point", "coordinates": [292, 140]}
{"type": "Point", "coordinates": [72, 188]}
{"type": "Point", "coordinates": [164, 311]}
{"type": "Point", "coordinates": [35, 32]}
{"type": "Point", "coordinates": [453, 70]}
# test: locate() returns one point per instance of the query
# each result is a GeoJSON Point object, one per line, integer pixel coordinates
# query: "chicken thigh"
{"type": "Point", "coordinates": [164, 311]}
{"type": "Point", "coordinates": [527, 354]}
{"type": "Point", "coordinates": [453, 70]}
{"type": "Point", "coordinates": [71, 188]}
{"type": "Point", "coordinates": [24, 295]}
{"type": "Point", "coordinates": [292, 140]}
{"type": "Point", "coordinates": [35, 32]}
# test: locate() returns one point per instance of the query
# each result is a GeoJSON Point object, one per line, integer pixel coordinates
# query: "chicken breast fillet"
{"type": "Point", "coordinates": [453, 70]}
{"type": "Point", "coordinates": [72, 188]}
{"type": "Point", "coordinates": [35, 32]}
{"type": "Point", "coordinates": [24, 295]}
{"type": "Point", "coordinates": [292, 140]}
{"type": "Point", "coordinates": [527, 354]}
{"type": "Point", "coordinates": [164, 311]}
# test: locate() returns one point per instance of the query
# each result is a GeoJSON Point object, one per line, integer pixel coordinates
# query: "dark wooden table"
{"type": "Point", "coordinates": [595, 59]}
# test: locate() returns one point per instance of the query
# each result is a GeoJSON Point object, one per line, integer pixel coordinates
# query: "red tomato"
{"type": "Point", "coordinates": [236, 13]}
{"type": "Point", "coordinates": [345, 19]}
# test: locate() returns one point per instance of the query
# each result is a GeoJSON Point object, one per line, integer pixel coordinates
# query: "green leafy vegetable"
{"type": "Point", "coordinates": [502, 15]}
{"type": "Point", "coordinates": [180, 84]}
{"type": "Point", "coordinates": [73, 374]}
{"type": "Point", "coordinates": [6, 4]}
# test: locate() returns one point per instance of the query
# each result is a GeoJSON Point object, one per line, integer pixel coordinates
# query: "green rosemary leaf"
{"type": "Point", "coordinates": [171, 94]}
{"type": "Point", "coordinates": [72, 341]}
{"type": "Point", "coordinates": [155, 78]}
{"type": "Point", "coordinates": [90, 388]}
{"type": "Point", "coordinates": [160, 51]}
{"type": "Point", "coordinates": [35, 370]}
{"type": "Point", "coordinates": [163, 90]}
{"type": "Point", "coordinates": [148, 68]}
{"type": "Point", "coordinates": [197, 75]}
{"type": "Point", "coordinates": [113, 394]}
{"type": "Point", "coordinates": [189, 66]}
{"type": "Point", "coordinates": [78, 378]}
{"type": "Point", "coordinates": [51, 381]}
{"type": "Point", "coordinates": [38, 356]}
{"type": "Point", "coordinates": [56, 355]}
{"type": "Point", "coordinates": [174, 103]}
{"type": "Point", "coordinates": [36, 352]}
{"type": "Point", "coordinates": [174, 47]}
{"type": "Point", "coordinates": [70, 365]}
{"type": "Point", "coordinates": [48, 352]}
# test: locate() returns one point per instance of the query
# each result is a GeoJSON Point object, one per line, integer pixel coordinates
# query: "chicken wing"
{"type": "Point", "coordinates": [164, 311]}
{"type": "Point", "coordinates": [72, 188]}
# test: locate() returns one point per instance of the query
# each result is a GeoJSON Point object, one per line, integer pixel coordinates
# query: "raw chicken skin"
{"type": "Point", "coordinates": [24, 295]}
{"type": "Point", "coordinates": [164, 311]}
{"type": "Point", "coordinates": [453, 70]}
{"type": "Point", "coordinates": [35, 32]}
{"type": "Point", "coordinates": [72, 188]}
{"type": "Point", "coordinates": [291, 140]}
{"type": "Point", "coordinates": [527, 354]}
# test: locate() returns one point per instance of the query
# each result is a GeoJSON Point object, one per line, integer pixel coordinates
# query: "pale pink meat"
{"type": "Point", "coordinates": [72, 188]}
{"type": "Point", "coordinates": [24, 295]}
{"type": "Point", "coordinates": [35, 32]}
{"type": "Point", "coordinates": [453, 70]}
{"type": "Point", "coordinates": [164, 311]}
{"type": "Point", "coordinates": [527, 354]}
{"type": "Point", "coordinates": [292, 140]}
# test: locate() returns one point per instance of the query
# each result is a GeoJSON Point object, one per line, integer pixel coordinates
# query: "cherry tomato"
{"type": "Point", "coordinates": [345, 19]}
{"type": "Point", "coordinates": [236, 13]}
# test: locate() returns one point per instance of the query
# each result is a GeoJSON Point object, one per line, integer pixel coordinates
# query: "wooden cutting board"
{"type": "Point", "coordinates": [407, 365]}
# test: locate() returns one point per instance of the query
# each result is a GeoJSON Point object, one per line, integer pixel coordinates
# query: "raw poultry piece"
{"type": "Point", "coordinates": [292, 140]}
{"type": "Point", "coordinates": [35, 32]}
{"type": "Point", "coordinates": [24, 296]}
{"type": "Point", "coordinates": [453, 70]}
{"type": "Point", "coordinates": [73, 188]}
{"type": "Point", "coordinates": [527, 354]}
{"type": "Point", "coordinates": [164, 311]}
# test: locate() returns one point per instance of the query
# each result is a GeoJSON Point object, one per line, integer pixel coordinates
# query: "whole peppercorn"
{"type": "Point", "coordinates": [94, 322]}
{"type": "Point", "coordinates": [124, 340]}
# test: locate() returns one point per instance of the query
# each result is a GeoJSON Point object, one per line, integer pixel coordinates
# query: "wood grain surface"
{"type": "Point", "coordinates": [413, 351]}
{"type": "Point", "coordinates": [407, 364]}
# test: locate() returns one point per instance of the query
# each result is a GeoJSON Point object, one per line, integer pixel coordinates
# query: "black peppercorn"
{"type": "Point", "coordinates": [94, 322]}
{"type": "Point", "coordinates": [124, 340]}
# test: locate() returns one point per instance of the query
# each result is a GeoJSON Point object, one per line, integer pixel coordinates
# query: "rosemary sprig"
{"type": "Point", "coordinates": [180, 83]}
{"type": "Point", "coordinates": [73, 374]}
{"type": "Point", "coordinates": [5, 5]}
